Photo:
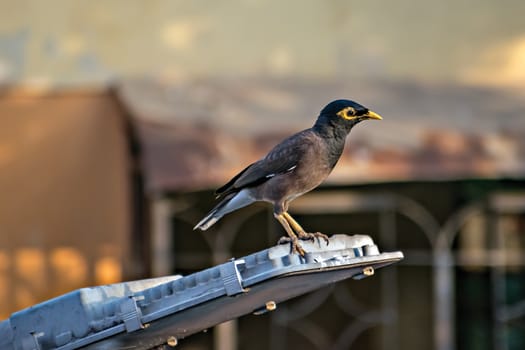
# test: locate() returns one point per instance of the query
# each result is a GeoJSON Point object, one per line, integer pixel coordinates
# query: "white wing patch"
{"type": "Point", "coordinates": [269, 176]}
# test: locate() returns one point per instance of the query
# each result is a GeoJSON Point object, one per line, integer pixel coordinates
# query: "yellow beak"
{"type": "Point", "coordinates": [372, 115]}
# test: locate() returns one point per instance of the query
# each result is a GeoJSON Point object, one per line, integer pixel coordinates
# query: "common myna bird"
{"type": "Point", "coordinates": [293, 167]}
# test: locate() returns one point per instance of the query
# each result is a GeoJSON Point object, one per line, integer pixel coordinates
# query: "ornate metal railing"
{"type": "Point", "coordinates": [411, 304]}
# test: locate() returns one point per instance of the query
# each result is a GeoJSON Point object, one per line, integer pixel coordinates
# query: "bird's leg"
{"type": "Point", "coordinates": [301, 233]}
{"type": "Point", "coordinates": [292, 239]}
{"type": "Point", "coordinates": [294, 224]}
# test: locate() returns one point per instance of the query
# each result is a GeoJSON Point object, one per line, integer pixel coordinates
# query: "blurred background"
{"type": "Point", "coordinates": [118, 119]}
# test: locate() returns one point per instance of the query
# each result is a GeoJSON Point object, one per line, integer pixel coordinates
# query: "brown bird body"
{"type": "Point", "coordinates": [293, 167]}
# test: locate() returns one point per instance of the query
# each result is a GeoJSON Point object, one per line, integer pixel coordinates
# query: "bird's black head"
{"type": "Point", "coordinates": [342, 115]}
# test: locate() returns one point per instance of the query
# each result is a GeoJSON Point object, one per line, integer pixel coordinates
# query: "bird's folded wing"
{"type": "Point", "coordinates": [282, 158]}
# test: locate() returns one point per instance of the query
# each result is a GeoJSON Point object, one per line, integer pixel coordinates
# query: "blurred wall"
{"type": "Point", "coordinates": [64, 203]}
{"type": "Point", "coordinates": [92, 42]}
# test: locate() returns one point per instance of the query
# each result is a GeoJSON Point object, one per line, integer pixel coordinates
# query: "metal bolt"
{"type": "Point", "coordinates": [172, 341]}
{"type": "Point", "coordinates": [368, 271]}
{"type": "Point", "coordinates": [271, 305]}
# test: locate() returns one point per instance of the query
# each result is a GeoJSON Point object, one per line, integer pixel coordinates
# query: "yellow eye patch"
{"type": "Point", "coordinates": [347, 113]}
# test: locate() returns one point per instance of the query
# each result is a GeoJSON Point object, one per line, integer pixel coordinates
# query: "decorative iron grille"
{"type": "Point", "coordinates": [461, 285]}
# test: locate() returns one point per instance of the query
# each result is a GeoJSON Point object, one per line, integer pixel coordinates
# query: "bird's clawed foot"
{"type": "Point", "coordinates": [303, 236]}
{"type": "Point", "coordinates": [296, 233]}
{"type": "Point", "coordinates": [311, 236]}
{"type": "Point", "coordinates": [295, 245]}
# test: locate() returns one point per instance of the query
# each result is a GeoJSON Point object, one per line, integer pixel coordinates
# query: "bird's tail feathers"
{"type": "Point", "coordinates": [215, 214]}
{"type": "Point", "coordinates": [207, 222]}
{"type": "Point", "coordinates": [230, 203]}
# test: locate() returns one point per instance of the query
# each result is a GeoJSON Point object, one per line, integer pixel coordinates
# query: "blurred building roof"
{"type": "Point", "coordinates": [198, 134]}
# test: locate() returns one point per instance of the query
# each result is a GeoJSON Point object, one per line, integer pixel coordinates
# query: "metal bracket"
{"type": "Point", "coordinates": [30, 343]}
{"type": "Point", "coordinates": [231, 277]}
{"type": "Point", "coordinates": [131, 315]}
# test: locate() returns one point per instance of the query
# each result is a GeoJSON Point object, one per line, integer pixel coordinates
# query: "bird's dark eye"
{"type": "Point", "coordinates": [347, 113]}
{"type": "Point", "coordinates": [350, 112]}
